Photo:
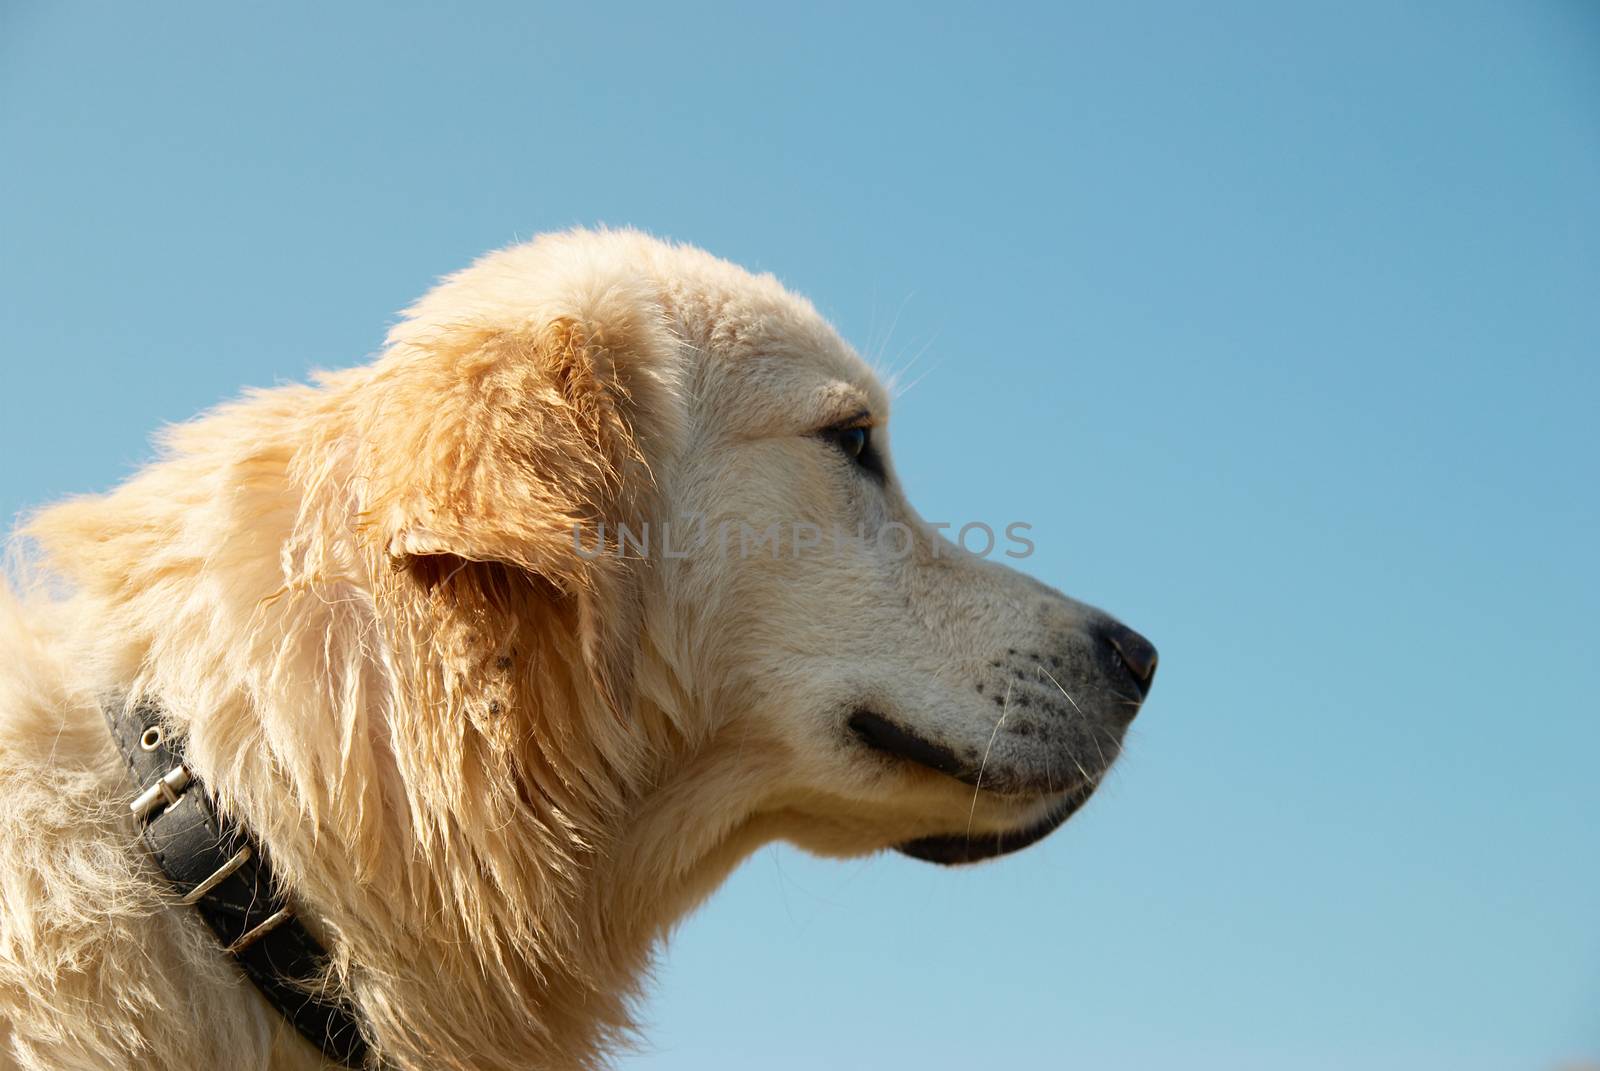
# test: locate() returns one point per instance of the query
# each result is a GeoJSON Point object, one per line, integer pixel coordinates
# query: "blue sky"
{"type": "Point", "coordinates": [1279, 322]}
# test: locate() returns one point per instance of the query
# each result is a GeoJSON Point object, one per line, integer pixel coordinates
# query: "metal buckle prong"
{"type": "Point", "coordinates": [272, 922]}
{"type": "Point", "coordinates": [165, 791]}
{"type": "Point", "coordinates": [239, 859]}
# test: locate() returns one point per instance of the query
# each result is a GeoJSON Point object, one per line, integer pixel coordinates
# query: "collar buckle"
{"type": "Point", "coordinates": [164, 793]}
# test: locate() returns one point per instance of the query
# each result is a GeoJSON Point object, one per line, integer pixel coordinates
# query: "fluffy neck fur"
{"type": "Point", "coordinates": [484, 818]}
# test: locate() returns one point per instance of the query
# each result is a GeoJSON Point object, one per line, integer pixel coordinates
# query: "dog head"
{"type": "Point", "coordinates": [512, 643]}
{"type": "Point", "coordinates": [696, 471]}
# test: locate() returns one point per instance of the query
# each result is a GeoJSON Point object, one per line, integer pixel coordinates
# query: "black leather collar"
{"type": "Point", "coordinates": [218, 868]}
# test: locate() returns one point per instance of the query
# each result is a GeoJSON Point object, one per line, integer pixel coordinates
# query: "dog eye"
{"type": "Point", "coordinates": [856, 444]}
{"type": "Point", "coordinates": [853, 441]}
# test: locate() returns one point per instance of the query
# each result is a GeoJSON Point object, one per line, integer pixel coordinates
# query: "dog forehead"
{"type": "Point", "coordinates": [751, 348]}
{"type": "Point", "coordinates": [766, 354]}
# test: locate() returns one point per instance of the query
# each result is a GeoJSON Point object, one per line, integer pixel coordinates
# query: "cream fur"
{"type": "Point", "coordinates": [493, 772]}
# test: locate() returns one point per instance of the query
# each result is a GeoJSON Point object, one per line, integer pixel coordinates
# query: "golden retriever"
{"type": "Point", "coordinates": [507, 648]}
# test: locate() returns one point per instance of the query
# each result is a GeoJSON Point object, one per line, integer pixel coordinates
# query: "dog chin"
{"type": "Point", "coordinates": [955, 849]}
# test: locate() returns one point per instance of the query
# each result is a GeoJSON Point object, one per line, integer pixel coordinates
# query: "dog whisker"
{"type": "Point", "coordinates": [977, 785]}
{"type": "Point", "coordinates": [1064, 692]}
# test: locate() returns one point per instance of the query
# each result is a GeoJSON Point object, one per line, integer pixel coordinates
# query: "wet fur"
{"type": "Point", "coordinates": [491, 772]}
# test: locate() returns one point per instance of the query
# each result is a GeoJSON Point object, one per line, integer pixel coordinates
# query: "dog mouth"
{"type": "Point", "coordinates": [882, 735]}
{"type": "Point", "coordinates": [954, 849]}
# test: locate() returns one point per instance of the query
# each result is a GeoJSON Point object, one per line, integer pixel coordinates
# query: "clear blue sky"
{"type": "Point", "coordinates": [1280, 322]}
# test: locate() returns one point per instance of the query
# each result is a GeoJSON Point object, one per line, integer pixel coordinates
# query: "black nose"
{"type": "Point", "coordinates": [1135, 652]}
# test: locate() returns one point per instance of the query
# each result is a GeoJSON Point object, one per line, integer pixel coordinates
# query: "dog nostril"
{"type": "Point", "coordinates": [1136, 652]}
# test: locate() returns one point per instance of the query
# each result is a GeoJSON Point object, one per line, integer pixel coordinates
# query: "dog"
{"type": "Point", "coordinates": [504, 650]}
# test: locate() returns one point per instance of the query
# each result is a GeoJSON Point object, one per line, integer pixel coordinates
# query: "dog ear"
{"type": "Point", "coordinates": [502, 445]}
